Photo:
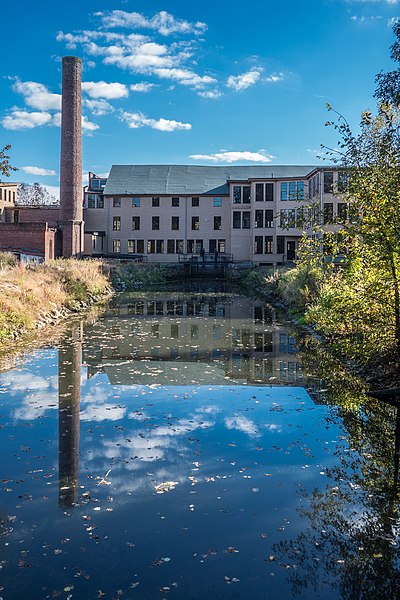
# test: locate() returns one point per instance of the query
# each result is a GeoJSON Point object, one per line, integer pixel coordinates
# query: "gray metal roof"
{"type": "Point", "coordinates": [178, 180]}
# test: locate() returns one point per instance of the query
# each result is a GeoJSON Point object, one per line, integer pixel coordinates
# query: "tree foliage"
{"type": "Point", "coordinates": [388, 84]}
{"type": "Point", "coordinates": [34, 195]}
{"type": "Point", "coordinates": [5, 166]}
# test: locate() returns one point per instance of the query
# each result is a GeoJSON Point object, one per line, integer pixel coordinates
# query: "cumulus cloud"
{"type": "Point", "coordinates": [38, 171]}
{"type": "Point", "coordinates": [230, 157]}
{"type": "Point", "coordinates": [163, 22]}
{"type": "Point", "coordinates": [139, 53]}
{"type": "Point", "coordinates": [143, 86]}
{"type": "Point", "coordinates": [88, 126]}
{"type": "Point", "coordinates": [239, 83]}
{"type": "Point", "coordinates": [242, 424]}
{"type": "Point", "coordinates": [274, 78]}
{"type": "Point", "coordinates": [101, 89]}
{"type": "Point", "coordinates": [136, 120]}
{"type": "Point", "coordinates": [210, 94]}
{"type": "Point", "coordinates": [98, 107]}
{"type": "Point", "coordinates": [37, 95]}
{"type": "Point", "coordinates": [22, 119]}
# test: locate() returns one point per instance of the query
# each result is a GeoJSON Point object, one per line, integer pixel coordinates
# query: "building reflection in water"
{"type": "Point", "coordinates": [148, 339]}
{"type": "Point", "coordinates": [69, 389]}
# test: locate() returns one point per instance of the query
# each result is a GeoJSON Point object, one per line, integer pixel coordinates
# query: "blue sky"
{"type": "Point", "coordinates": [189, 83]}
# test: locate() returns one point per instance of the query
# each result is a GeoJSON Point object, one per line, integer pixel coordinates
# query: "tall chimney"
{"type": "Point", "coordinates": [71, 213]}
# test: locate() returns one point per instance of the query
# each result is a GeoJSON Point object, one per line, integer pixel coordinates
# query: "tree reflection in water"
{"type": "Point", "coordinates": [351, 542]}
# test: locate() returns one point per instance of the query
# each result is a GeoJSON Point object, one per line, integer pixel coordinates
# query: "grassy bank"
{"type": "Point", "coordinates": [33, 295]}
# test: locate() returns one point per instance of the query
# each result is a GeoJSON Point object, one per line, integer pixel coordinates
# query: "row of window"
{"type": "Point", "coordinates": [4, 196]}
{"type": "Point", "coordinates": [97, 201]}
{"type": "Point", "coordinates": [171, 247]}
{"type": "Point", "coordinates": [175, 223]}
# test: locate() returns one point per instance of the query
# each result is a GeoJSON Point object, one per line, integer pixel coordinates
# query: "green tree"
{"type": "Point", "coordinates": [5, 167]}
{"type": "Point", "coordinates": [358, 307]}
{"type": "Point", "coordinates": [388, 84]}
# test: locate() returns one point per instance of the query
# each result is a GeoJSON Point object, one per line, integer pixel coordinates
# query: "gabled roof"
{"type": "Point", "coordinates": [178, 180]}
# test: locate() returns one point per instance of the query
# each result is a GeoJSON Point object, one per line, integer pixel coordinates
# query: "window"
{"type": "Point", "coordinates": [91, 201]}
{"type": "Point", "coordinates": [291, 217]}
{"type": "Point", "coordinates": [116, 223]}
{"type": "Point", "coordinates": [217, 201]}
{"type": "Point", "coordinates": [212, 246]}
{"type": "Point", "coordinates": [269, 192]}
{"type": "Point", "coordinates": [280, 244]}
{"type": "Point", "coordinates": [217, 223]}
{"type": "Point", "coordinates": [116, 245]}
{"type": "Point", "coordinates": [296, 190]}
{"type": "Point", "coordinates": [100, 201]}
{"type": "Point", "coordinates": [343, 182]}
{"type": "Point", "coordinates": [258, 244]}
{"type": "Point", "coordinates": [117, 202]}
{"type": "Point", "coordinates": [195, 201]}
{"type": "Point", "coordinates": [246, 194]}
{"type": "Point", "coordinates": [159, 246]}
{"type": "Point", "coordinates": [199, 246]}
{"type": "Point", "coordinates": [174, 330]}
{"type": "Point", "coordinates": [328, 182]}
{"type": "Point", "coordinates": [259, 192]}
{"type": "Point", "coordinates": [269, 218]}
{"type": "Point", "coordinates": [131, 247]}
{"type": "Point", "coordinates": [237, 219]}
{"type": "Point", "coordinates": [13, 196]}
{"type": "Point", "coordinates": [170, 246]}
{"type": "Point", "coordinates": [151, 246]}
{"type": "Point", "coordinates": [221, 246]}
{"type": "Point", "coordinates": [269, 244]}
{"type": "Point", "coordinates": [284, 190]}
{"type": "Point", "coordinates": [190, 246]}
{"type": "Point", "coordinates": [155, 223]}
{"type": "Point", "coordinates": [259, 219]}
{"type": "Point", "coordinates": [179, 246]}
{"type": "Point", "coordinates": [342, 212]}
{"type": "Point", "coordinates": [246, 219]}
{"type": "Point", "coordinates": [135, 223]}
{"type": "Point", "coordinates": [237, 194]}
{"type": "Point", "coordinates": [283, 218]}
{"type": "Point", "coordinates": [103, 183]}
{"type": "Point", "coordinates": [175, 201]}
{"type": "Point", "coordinates": [136, 202]}
{"type": "Point", "coordinates": [174, 223]}
{"type": "Point", "coordinates": [140, 246]}
{"type": "Point", "coordinates": [94, 183]}
{"type": "Point", "coordinates": [195, 223]}
{"type": "Point", "coordinates": [155, 201]}
{"type": "Point", "coordinates": [328, 212]}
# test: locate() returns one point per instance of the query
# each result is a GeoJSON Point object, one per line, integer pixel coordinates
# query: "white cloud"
{"type": "Point", "coordinates": [242, 424]}
{"type": "Point", "coordinates": [136, 120]}
{"type": "Point", "coordinates": [391, 22]}
{"type": "Point", "coordinates": [230, 157]}
{"type": "Point", "coordinates": [88, 125]}
{"type": "Point", "coordinates": [211, 94]}
{"type": "Point", "coordinates": [274, 78]}
{"type": "Point", "coordinates": [364, 19]}
{"type": "Point", "coordinates": [143, 86]}
{"type": "Point", "coordinates": [98, 107]}
{"type": "Point", "coordinates": [185, 77]}
{"type": "Point", "coordinates": [38, 171]}
{"type": "Point", "coordinates": [101, 89]}
{"type": "Point", "coordinates": [163, 22]}
{"type": "Point", "coordinates": [21, 119]}
{"type": "Point", "coordinates": [37, 95]}
{"type": "Point", "coordinates": [242, 82]}
{"type": "Point", "coordinates": [54, 190]}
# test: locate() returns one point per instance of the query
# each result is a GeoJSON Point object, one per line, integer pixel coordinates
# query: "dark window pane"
{"type": "Point", "coordinates": [236, 219]}
{"type": "Point", "coordinates": [259, 192]}
{"type": "Point", "coordinates": [269, 192]}
{"type": "Point", "coordinates": [246, 194]}
{"type": "Point", "coordinates": [328, 182]}
{"type": "Point", "coordinates": [246, 219]}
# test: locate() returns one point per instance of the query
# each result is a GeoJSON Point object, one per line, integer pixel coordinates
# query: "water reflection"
{"type": "Point", "coordinates": [266, 491]}
{"type": "Point", "coordinates": [69, 394]}
{"type": "Point", "coordinates": [191, 339]}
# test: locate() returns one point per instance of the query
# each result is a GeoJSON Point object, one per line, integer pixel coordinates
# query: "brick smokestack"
{"type": "Point", "coordinates": [71, 213]}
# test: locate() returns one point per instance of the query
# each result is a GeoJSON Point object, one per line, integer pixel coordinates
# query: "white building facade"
{"type": "Point", "coordinates": [167, 213]}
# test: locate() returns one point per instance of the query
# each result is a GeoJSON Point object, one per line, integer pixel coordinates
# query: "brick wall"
{"type": "Point", "coordinates": [29, 238]}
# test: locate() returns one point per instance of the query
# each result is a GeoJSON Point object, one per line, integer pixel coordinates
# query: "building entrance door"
{"type": "Point", "coordinates": [291, 250]}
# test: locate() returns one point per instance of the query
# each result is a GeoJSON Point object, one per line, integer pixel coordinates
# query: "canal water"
{"type": "Point", "coordinates": [176, 448]}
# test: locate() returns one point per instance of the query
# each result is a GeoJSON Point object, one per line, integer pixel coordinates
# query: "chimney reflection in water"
{"type": "Point", "coordinates": [69, 390]}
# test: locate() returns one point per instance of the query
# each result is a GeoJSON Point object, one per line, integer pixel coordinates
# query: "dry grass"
{"type": "Point", "coordinates": [27, 294]}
